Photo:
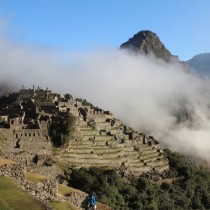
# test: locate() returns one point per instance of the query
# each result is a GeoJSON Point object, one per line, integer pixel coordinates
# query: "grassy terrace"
{"type": "Point", "coordinates": [85, 128]}
{"type": "Point", "coordinates": [79, 156]}
{"type": "Point", "coordinates": [140, 168]}
{"type": "Point", "coordinates": [97, 137]}
{"type": "Point", "coordinates": [161, 162]}
{"type": "Point", "coordinates": [104, 135]}
{"type": "Point", "coordinates": [87, 164]}
{"type": "Point", "coordinates": [93, 132]}
{"type": "Point", "coordinates": [85, 147]}
{"type": "Point", "coordinates": [111, 159]}
{"type": "Point", "coordinates": [14, 198]}
{"type": "Point", "coordinates": [148, 152]}
{"type": "Point", "coordinates": [114, 128]}
{"type": "Point", "coordinates": [95, 151]}
{"type": "Point", "coordinates": [150, 160]}
{"type": "Point", "coordinates": [103, 147]}
{"type": "Point", "coordinates": [136, 164]}
{"type": "Point", "coordinates": [33, 177]}
{"type": "Point", "coordinates": [87, 135]}
{"type": "Point", "coordinates": [95, 159]}
{"type": "Point", "coordinates": [80, 143]}
{"type": "Point", "coordinates": [89, 156]}
{"type": "Point", "coordinates": [89, 144]}
{"type": "Point", "coordinates": [145, 147]}
{"type": "Point", "coordinates": [64, 190]}
{"type": "Point", "coordinates": [64, 206]}
{"type": "Point", "coordinates": [132, 155]}
{"type": "Point", "coordinates": [84, 158]}
{"type": "Point", "coordinates": [135, 160]}
{"type": "Point", "coordinates": [148, 156]}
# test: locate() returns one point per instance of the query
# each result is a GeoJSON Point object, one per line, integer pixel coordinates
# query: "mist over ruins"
{"type": "Point", "coordinates": [70, 142]}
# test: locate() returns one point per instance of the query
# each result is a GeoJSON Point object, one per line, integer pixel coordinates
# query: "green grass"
{"type": "Point", "coordinates": [13, 198]}
{"type": "Point", "coordinates": [61, 206]}
{"type": "Point", "coordinates": [33, 177]}
{"type": "Point", "coordinates": [56, 151]}
{"type": "Point", "coordinates": [96, 150]}
{"type": "Point", "coordinates": [63, 190]}
{"type": "Point", "coordinates": [85, 128]}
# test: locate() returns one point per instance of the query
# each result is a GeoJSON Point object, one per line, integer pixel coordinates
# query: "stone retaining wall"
{"type": "Point", "coordinates": [43, 191]}
{"type": "Point", "coordinates": [80, 200]}
{"type": "Point", "coordinates": [16, 171]}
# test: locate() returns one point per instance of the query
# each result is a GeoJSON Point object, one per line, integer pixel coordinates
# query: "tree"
{"type": "Point", "coordinates": [61, 129]}
{"type": "Point", "coordinates": [68, 96]}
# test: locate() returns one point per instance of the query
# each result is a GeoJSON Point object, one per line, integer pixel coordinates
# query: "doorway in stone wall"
{"type": "Point", "coordinates": [17, 144]}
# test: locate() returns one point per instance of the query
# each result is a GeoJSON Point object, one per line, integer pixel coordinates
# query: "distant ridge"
{"type": "Point", "coordinates": [148, 43]}
{"type": "Point", "coordinates": [200, 64]}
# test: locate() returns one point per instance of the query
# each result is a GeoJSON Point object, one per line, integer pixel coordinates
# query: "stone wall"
{"type": "Point", "coordinates": [80, 200]}
{"type": "Point", "coordinates": [44, 191]}
{"type": "Point", "coordinates": [16, 171]}
{"type": "Point", "coordinates": [4, 132]}
{"type": "Point", "coordinates": [24, 144]}
{"type": "Point", "coordinates": [21, 133]}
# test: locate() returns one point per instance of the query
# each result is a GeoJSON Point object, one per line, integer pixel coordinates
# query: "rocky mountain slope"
{"type": "Point", "coordinates": [147, 42]}
{"type": "Point", "coordinates": [200, 64]}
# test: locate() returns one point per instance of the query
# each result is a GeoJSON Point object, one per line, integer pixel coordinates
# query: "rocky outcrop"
{"type": "Point", "coordinates": [147, 43]}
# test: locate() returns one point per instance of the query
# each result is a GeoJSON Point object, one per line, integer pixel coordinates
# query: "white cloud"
{"type": "Point", "coordinates": [145, 93]}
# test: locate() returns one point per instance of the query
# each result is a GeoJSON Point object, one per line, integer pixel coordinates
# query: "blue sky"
{"type": "Point", "coordinates": [83, 25]}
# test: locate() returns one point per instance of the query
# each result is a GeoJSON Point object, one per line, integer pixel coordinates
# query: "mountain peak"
{"type": "Point", "coordinates": [148, 43]}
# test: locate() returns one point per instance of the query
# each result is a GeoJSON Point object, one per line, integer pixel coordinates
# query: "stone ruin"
{"type": "Point", "coordinates": [23, 132]}
{"type": "Point", "coordinates": [99, 138]}
{"type": "Point", "coordinates": [23, 145]}
{"type": "Point", "coordinates": [102, 140]}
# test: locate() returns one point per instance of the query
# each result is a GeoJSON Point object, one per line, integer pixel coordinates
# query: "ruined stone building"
{"type": "Point", "coordinates": [99, 139]}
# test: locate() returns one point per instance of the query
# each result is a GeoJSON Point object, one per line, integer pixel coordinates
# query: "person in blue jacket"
{"type": "Point", "coordinates": [92, 201]}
